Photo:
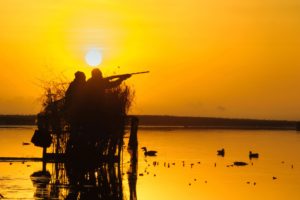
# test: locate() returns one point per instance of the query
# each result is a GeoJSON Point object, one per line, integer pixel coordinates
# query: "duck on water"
{"type": "Point", "coordinates": [253, 155]}
{"type": "Point", "coordinates": [149, 153]}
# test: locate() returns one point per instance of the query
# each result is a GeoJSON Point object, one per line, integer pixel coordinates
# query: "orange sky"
{"type": "Point", "coordinates": [207, 58]}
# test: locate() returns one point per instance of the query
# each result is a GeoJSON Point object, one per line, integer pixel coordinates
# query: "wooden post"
{"type": "Point", "coordinates": [44, 152]}
{"type": "Point", "coordinates": [297, 126]}
{"type": "Point", "coordinates": [133, 141]}
{"type": "Point", "coordinates": [44, 159]}
{"type": "Point", "coordinates": [133, 146]}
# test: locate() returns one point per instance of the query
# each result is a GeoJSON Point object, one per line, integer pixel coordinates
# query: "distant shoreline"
{"type": "Point", "coordinates": [170, 128]}
{"type": "Point", "coordinates": [176, 122]}
{"type": "Point", "coordinates": [18, 126]}
{"type": "Point", "coordinates": [156, 121]}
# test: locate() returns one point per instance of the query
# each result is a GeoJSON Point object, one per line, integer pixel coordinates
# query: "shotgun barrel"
{"type": "Point", "coordinates": [124, 75]}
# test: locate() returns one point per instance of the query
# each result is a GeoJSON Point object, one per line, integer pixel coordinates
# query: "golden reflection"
{"type": "Point", "coordinates": [204, 175]}
{"type": "Point", "coordinates": [12, 139]}
{"type": "Point", "coordinates": [186, 167]}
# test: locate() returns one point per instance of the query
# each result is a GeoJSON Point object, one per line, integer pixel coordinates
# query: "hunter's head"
{"type": "Point", "coordinates": [80, 76]}
{"type": "Point", "coordinates": [96, 73]}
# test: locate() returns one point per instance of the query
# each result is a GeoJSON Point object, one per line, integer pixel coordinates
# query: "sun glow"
{"type": "Point", "coordinates": [93, 57]}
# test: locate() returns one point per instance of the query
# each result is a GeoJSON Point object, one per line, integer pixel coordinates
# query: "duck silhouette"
{"type": "Point", "coordinates": [149, 153]}
{"type": "Point", "coordinates": [239, 163]}
{"type": "Point", "coordinates": [221, 152]}
{"type": "Point", "coordinates": [253, 155]}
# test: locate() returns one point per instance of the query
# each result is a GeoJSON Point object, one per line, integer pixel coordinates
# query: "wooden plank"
{"type": "Point", "coordinates": [50, 158]}
{"type": "Point", "coordinates": [20, 159]}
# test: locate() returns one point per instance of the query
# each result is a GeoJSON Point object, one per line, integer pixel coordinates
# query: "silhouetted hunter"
{"type": "Point", "coordinates": [96, 102]}
{"type": "Point", "coordinates": [73, 101]}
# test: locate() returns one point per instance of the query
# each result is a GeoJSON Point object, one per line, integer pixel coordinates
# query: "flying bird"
{"type": "Point", "coordinates": [221, 152]}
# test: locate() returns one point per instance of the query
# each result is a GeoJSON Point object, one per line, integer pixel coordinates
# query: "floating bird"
{"type": "Point", "coordinates": [253, 155]}
{"type": "Point", "coordinates": [240, 163]}
{"type": "Point", "coordinates": [221, 152]}
{"type": "Point", "coordinates": [274, 177]}
{"type": "Point", "coordinates": [25, 143]}
{"type": "Point", "coordinates": [149, 153]}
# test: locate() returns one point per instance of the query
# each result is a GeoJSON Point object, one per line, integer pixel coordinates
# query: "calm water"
{"type": "Point", "coordinates": [203, 175]}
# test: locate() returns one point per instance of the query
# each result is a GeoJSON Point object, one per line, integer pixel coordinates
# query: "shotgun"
{"type": "Point", "coordinates": [124, 75]}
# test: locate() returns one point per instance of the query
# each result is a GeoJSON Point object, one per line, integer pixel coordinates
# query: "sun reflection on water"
{"type": "Point", "coordinates": [186, 167]}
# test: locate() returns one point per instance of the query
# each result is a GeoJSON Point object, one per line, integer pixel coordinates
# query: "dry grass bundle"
{"type": "Point", "coordinates": [119, 99]}
{"type": "Point", "coordinates": [52, 91]}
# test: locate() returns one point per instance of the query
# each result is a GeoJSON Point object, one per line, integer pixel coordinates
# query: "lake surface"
{"type": "Point", "coordinates": [186, 167]}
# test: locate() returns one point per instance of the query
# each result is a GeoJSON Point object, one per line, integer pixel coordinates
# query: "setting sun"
{"type": "Point", "coordinates": [93, 57]}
